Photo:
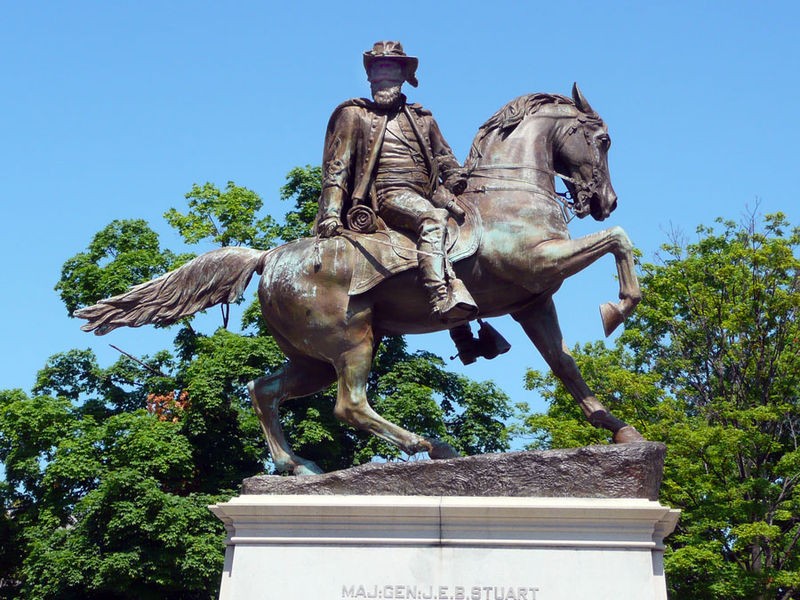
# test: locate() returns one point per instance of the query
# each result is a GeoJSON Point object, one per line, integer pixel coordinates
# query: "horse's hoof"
{"type": "Point", "coordinates": [440, 450]}
{"type": "Point", "coordinates": [628, 435]}
{"type": "Point", "coordinates": [611, 316]}
{"type": "Point", "coordinates": [307, 468]}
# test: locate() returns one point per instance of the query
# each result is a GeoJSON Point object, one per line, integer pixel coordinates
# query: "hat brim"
{"type": "Point", "coordinates": [411, 64]}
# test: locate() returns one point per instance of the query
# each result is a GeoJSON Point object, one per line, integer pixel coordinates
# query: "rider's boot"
{"type": "Point", "coordinates": [449, 303]}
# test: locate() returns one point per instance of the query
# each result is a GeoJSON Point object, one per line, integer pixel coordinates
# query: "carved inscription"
{"type": "Point", "coordinates": [439, 592]}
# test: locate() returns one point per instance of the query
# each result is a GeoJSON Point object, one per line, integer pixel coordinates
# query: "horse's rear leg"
{"type": "Point", "coordinates": [352, 407]}
{"type": "Point", "coordinates": [541, 325]}
{"type": "Point", "coordinates": [295, 379]}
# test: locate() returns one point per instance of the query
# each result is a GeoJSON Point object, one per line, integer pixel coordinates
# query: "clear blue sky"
{"type": "Point", "coordinates": [112, 110]}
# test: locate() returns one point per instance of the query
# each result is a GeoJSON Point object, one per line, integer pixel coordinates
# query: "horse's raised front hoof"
{"type": "Point", "coordinates": [612, 317]}
{"type": "Point", "coordinates": [628, 435]}
{"type": "Point", "coordinates": [440, 450]}
{"type": "Point", "coordinates": [307, 468]}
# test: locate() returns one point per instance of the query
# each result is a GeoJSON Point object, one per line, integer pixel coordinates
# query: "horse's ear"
{"type": "Point", "coordinates": [581, 103]}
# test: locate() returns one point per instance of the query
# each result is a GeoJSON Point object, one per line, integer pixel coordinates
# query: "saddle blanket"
{"type": "Point", "coordinates": [382, 254]}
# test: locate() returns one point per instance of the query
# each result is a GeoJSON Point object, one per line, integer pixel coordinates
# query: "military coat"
{"type": "Point", "coordinates": [352, 150]}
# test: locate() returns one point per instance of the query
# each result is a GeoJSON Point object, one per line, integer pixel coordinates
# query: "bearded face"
{"type": "Point", "coordinates": [386, 97]}
{"type": "Point", "coordinates": [386, 80]}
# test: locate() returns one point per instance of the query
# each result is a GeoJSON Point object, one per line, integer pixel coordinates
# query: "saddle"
{"type": "Point", "coordinates": [385, 253]}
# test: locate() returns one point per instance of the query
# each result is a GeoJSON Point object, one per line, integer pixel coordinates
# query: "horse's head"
{"type": "Point", "coordinates": [581, 159]}
{"type": "Point", "coordinates": [538, 136]}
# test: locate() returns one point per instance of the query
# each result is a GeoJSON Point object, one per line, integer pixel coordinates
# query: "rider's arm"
{"type": "Point", "coordinates": [453, 175]}
{"type": "Point", "coordinates": [336, 171]}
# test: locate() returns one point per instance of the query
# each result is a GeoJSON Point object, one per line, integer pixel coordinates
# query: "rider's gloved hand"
{"type": "Point", "coordinates": [457, 182]}
{"type": "Point", "coordinates": [329, 227]}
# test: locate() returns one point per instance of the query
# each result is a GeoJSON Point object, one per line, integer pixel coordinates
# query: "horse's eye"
{"type": "Point", "coordinates": [604, 140]}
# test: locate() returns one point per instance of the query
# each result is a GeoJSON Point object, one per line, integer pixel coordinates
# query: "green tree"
{"type": "Point", "coordinates": [710, 364]}
{"type": "Point", "coordinates": [100, 506]}
{"type": "Point", "coordinates": [304, 186]}
{"type": "Point", "coordinates": [107, 498]}
{"type": "Point", "coordinates": [226, 218]}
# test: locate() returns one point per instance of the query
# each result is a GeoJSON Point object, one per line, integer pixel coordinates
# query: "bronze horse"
{"type": "Point", "coordinates": [524, 256]}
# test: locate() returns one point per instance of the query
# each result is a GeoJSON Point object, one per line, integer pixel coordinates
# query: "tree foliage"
{"type": "Point", "coordinates": [107, 471]}
{"type": "Point", "coordinates": [304, 186]}
{"type": "Point", "coordinates": [100, 507]}
{"type": "Point", "coordinates": [710, 364]}
{"type": "Point", "coordinates": [226, 218]}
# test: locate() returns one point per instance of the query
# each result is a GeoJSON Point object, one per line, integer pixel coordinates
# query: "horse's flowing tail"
{"type": "Point", "coordinates": [212, 278]}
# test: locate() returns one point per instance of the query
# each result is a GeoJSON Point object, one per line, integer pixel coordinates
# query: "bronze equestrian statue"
{"type": "Point", "coordinates": [515, 259]}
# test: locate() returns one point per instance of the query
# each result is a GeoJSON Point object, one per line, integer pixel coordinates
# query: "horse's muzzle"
{"type": "Point", "coordinates": [600, 211]}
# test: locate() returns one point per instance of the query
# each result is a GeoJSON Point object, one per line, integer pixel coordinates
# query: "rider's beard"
{"type": "Point", "coordinates": [387, 97]}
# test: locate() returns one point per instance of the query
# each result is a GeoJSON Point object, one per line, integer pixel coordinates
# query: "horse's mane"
{"type": "Point", "coordinates": [507, 118]}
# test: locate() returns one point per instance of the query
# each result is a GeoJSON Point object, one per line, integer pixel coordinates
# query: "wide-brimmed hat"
{"type": "Point", "coordinates": [393, 51]}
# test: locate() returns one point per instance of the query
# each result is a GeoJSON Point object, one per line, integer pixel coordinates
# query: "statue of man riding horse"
{"type": "Point", "coordinates": [328, 300]}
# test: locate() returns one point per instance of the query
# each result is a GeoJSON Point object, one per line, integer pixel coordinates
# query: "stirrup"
{"type": "Point", "coordinates": [489, 344]}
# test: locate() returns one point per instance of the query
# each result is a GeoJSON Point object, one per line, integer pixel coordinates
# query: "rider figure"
{"type": "Point", "coordinates": [391, 156]}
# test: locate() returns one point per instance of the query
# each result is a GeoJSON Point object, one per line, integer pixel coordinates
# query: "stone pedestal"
{"type": "Point", "coordinates": [331, 543]}
{"type": "Point", "coordinates": [457, 548]}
